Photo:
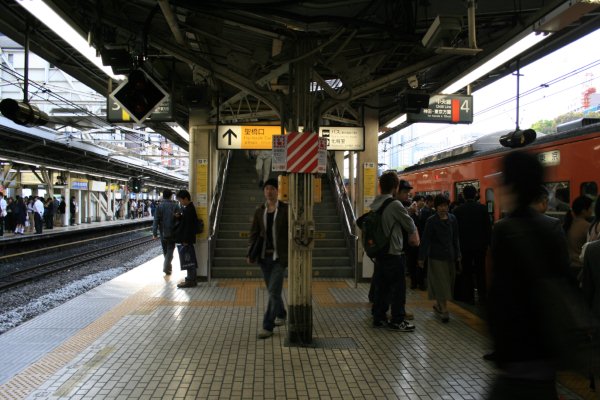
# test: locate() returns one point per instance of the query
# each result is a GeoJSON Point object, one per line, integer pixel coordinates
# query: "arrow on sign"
{"type": "Point", "coordinates": [229, 133]}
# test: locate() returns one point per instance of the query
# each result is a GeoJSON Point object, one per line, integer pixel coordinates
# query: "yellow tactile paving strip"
{"type": "Point", "coordinates": [22, 384]}
{"type": "Point", "coordinates": [145, 302]}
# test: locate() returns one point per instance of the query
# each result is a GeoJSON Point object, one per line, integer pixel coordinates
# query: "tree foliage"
{"type": "Point", "coordinates": [549, 126]}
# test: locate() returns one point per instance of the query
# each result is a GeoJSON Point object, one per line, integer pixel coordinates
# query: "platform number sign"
{"type": "Point", "coordinates": [453, 109]}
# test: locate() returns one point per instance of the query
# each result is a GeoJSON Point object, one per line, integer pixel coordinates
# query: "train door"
{"type": "Point", "coordinates": [490, 203]}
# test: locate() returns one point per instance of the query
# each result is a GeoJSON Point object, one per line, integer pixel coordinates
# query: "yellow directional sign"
{"type": "Point", "coordinates": [246, 137]}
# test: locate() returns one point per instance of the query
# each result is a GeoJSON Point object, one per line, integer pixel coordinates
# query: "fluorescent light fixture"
{"type": "Point", "coordinates": [52, 20]}
{"type": "Point", "coordinates": [505, 55]}
{"type": "Point", "coordinates": [180, 131]}
{"type": "Point", "coordinates": [397, 121]}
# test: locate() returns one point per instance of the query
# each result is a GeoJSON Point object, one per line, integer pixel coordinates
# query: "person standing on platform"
{"type": "Point", "coordinates": [411, 252]}
{"type": "Point", "coordinates": [20, 215]}
{"type": "Point", "coordinates": [163, 225]}
{"type": "Point", "coordinates": [72, 210]}
{"type": "Point", "coordinates": [440, 247]}
{"type": "Point", "coordinates": [263, 166]}
{"type": "Point", "coordinates": [49, 213]}
{"type": "Point", "coordinates": [3, 213]}
{"type": "Point", "coordinates": [576, 227]}
{"type": "Point", "coordinates": [525, 255]}
{"type": "Point", "coordinates": [30, 220]}
{"type": "Point", "coordinates": [474, 230]}
{"type": "Point", "coordinates": [590, 284]}
{"type": "Point", "coordinates": [389, 283]}
{"type": "Point", "coordinates": [62, 210]}
{"type": "Point", "coordinates": [38, 214]}
{"type": "Point", "coordinates": [268, 244]}
{"type": "Point", "coordinates": [186, 234]}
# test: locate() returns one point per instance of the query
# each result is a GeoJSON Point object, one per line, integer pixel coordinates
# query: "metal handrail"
{"type": "Point", "coordinates": [346, 212]}
{"type": "Point", "coordinates": [216, 208]}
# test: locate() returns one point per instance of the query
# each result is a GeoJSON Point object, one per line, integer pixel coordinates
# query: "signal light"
{"type": "Point", "coordinates": [136, 185]}
{"type": "Point", "coordinates": [23, 113]}
{"type": "Point", "coordinates": [518, 138]}
{"type": "Point", "coordinates": [140, 95]}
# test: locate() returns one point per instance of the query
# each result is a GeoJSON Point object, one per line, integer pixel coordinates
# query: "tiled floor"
{"type": "Point", "coordinates": [139, 337]}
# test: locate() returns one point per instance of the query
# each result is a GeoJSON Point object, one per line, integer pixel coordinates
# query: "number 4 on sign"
{"type": "Point", "coordinates": [465, 106]}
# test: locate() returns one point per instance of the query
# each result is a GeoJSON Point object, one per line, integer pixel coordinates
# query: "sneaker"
{"type": "Point", "coordinates": [263, 334]}
{"type": "Point", "coordinates": [186, 284]}
{"type": "Point", "coordinates": [409, 316]}
{"type": "Point", "coordinates": [445, 317]}
{"type": "Point", "coordinates": [379, 323]}
{"type": "Point", "coordinates": [279, 321]}
{"type": "Point", "coordinates": [403, 326]}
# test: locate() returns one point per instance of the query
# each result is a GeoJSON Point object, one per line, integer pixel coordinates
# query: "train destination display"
{"type": "Point", "coordinates": [445, 108]}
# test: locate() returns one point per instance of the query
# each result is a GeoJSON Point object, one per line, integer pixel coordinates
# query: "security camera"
{"type": "Point", "coordinates": [413, 81]}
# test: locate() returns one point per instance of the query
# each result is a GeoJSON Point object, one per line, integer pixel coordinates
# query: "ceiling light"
{"type": "Point", "coordinates": [180, 131]}
{"type": "Point", "coordinates": [52, 20]}
{"type": "Point", "coordinates": [509, 52]}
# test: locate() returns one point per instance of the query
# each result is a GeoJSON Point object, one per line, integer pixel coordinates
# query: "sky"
{"type": "Point", "coordinates": [555, 82]}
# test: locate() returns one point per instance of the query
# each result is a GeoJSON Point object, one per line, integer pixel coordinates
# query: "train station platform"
{"type": "Point", "coordinates": [139, 337]}
{"type": "Point", "coordinates": [70, 230]}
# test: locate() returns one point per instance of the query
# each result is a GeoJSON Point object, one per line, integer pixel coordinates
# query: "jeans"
{"type": "Point", "coordinates": [168, 247]}
{"type": "Point", "coordinates": [273, 274]}
{"type": "Point", "coordinates": [389, 287]}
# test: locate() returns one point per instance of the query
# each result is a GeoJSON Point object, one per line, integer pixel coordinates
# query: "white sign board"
{"type": "Point", "coordinates": [346, 138]}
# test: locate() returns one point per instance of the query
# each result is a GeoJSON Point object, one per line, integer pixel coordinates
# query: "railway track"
{"type": "Point", "coordinates": [75, 261]}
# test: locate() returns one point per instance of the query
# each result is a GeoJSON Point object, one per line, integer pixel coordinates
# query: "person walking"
{"type": "Point", "coordinates": [389, 284]}
{"type": "Point", "coordinates": [474, 230]}
{"type": "Point", "coordinates": [440, 247]}
{"type": "Point", "coordinates": [186, 235]}
{"type": "Point", "coordinates": [263, 166]}
{"type": "Point", "coordinates": [268, 245]}
{"type": "Point", "coordinates": [525, 255]}
{"type": "Point", "coordinates": [163, 225]}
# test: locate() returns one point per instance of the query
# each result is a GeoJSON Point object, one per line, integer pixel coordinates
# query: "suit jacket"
{"type": "Point", "coordinates": [591, 277]}
{"type": "Point", "coordinates": [281, 230]}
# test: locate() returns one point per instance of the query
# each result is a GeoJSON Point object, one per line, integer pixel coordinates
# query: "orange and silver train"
{"type": "Point", "coordinates": [571, 158]}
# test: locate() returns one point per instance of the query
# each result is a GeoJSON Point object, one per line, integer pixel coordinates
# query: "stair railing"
{"type": "Point", "coordinates": [344, 207]}
{"type": "Point", "coordinates": [216, 206]}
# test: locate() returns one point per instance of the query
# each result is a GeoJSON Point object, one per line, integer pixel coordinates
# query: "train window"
{"type": "Point", "coordinates": [458, 189]}
{"type": "Point", "coordinates": [560, 198]}
{"type": "Point", "coordinates": [589, 189]}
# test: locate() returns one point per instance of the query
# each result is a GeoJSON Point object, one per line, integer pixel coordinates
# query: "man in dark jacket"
{"type": "Point", "coordinates": [186, 234]}
{"type": "Point", "coordinates": [474, 231]}
{"type": "Point", "coordinates": [164, 222]}
{"type": "Point", "coordinates": [525, 254]}
{"type": "Point", "coordinates": [270, 223]}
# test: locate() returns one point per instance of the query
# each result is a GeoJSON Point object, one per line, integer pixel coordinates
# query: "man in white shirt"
{"type": "Point", "coordinates": [3, 206]}
{"type": "Point", "coordinates": [38, 214]}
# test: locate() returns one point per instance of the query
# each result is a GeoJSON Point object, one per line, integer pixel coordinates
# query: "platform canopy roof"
{"type": "Point", "coordinates": [234, 57]}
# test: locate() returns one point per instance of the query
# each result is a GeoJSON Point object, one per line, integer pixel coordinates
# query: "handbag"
{"type": "Point", "coordinates": [187, 256]}
{"type": "Point", "coordinates": [256, 249]}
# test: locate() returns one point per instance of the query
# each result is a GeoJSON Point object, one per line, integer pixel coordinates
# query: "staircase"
{"type": "Point", "coordinates": [241, 196]}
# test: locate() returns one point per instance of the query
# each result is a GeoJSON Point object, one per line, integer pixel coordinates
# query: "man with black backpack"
{"type": "Point", "coordinates": [390, 261]}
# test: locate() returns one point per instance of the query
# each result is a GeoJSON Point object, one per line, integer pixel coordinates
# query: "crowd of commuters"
{"type": "Point", "coordinates": [32, 214]}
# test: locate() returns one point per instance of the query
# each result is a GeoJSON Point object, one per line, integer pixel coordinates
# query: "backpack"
{"type": "Point", "coordinates": [374, 240]}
